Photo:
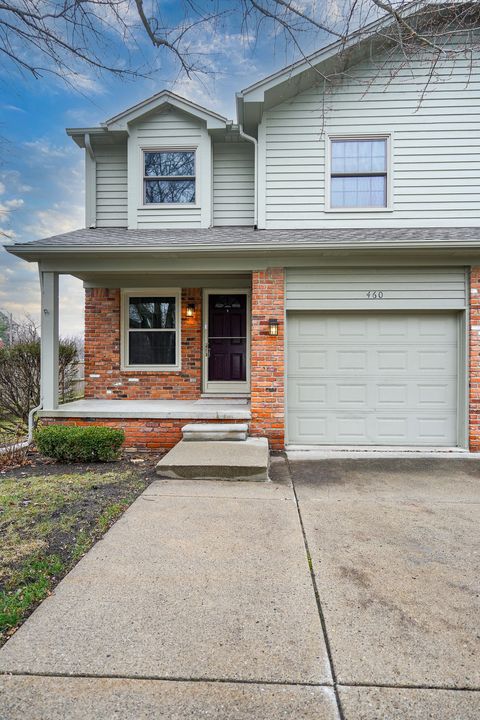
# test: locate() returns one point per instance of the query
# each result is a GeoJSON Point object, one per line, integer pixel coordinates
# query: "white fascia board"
{"type": "Point", "coordinates": [121, 121]}
{"type": "Point", "coordinates": [37, 253]}
{"type": "Point", "coordinates": [78, 134]}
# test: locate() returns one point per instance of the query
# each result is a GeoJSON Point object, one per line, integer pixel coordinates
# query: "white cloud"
{"type": "Point", "coordinates": [2, 188]}
{"type": "Point", "coordinates": [12, 108]}
{"type": "Point", "coordinates": [45, 148]}
{"type": "Point", "coordinates": [60, 218]}
{"type": "Point", "coordinates": [82, 81]}
{"type": "Point", "coordinates": [14, 203]}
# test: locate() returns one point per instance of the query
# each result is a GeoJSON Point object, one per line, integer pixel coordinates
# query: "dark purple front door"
{"type": "Point", "coordinates": [227, 338]}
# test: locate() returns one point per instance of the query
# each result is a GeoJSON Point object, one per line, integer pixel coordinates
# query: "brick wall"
{"type": "Point", "coordinates": [475, 359]}
{"type": "Point", "coordinates": [150, 435]}
{"type": "Point", "coordinates": [102, 353]}
{"type": "Point", "coordinates": [267, 364]}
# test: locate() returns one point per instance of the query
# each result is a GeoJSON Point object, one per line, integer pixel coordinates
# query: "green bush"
{"type": "Point", "coordinates": [80, 444]}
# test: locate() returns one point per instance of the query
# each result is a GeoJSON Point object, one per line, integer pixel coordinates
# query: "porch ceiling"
{"type": "Point", "coordinates": [203, 409]}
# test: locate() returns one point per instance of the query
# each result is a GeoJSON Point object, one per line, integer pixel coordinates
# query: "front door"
{"type": "Point", "coordinates": [227, 342]}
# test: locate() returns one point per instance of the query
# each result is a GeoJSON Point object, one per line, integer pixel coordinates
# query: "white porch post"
{"type": "Point", "coordinates": [49, 340]}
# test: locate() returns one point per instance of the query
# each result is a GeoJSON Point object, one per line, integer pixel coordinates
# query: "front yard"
{"type": "Point", "coordinates": [50, 515]}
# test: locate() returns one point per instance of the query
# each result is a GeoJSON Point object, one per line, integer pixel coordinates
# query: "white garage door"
{"type": "Point", "coordinates": [377, 379]}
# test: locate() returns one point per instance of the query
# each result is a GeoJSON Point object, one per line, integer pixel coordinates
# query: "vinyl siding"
{"type": "Point", "coordinates": [435, 147]}
{"type": "Point", "coordinates": [111, 186]}
{"type": "Point", "coordinates": [404, 288]}
{"type": "Point", "coordinates": [167, 129]}
{"type": "Point", "coordinates": [233, 183]}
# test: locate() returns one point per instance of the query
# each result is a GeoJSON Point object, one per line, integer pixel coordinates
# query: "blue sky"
{"type": "Point", "coordinates": [41, 169]}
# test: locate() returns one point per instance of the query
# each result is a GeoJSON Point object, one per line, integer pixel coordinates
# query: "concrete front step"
{"type": "Point", "coordinates": [217, 460]}
{"type": "Point", "coordinates": [215, 431]}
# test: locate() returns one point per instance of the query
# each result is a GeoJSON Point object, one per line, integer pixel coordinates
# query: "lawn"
{"type": "Point", "coordinates": [50, 515]}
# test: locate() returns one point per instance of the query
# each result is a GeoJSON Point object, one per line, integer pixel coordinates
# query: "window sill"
{"type": "Point", "coordinates": [169, 206]}
{"type": "Point", "coordinates": [359, 210]}
{"type": "Point", "coordinates": [132, 369]}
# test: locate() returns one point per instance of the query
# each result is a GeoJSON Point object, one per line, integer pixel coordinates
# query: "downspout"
{"type": "Point", "coordinates": [91, 184]}
{"type": "Point", "coordinates": [31, 423]}
{"type": "Point", "coordinates": [29, 440]}
{"type": "Point", "coordinates": [255, 173]}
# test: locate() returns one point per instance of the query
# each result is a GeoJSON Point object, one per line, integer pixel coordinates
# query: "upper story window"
{"type": "Point", "coordinates": [359, 173]}
{"type": "Point", "coordinates": [151, 325]}
{"type": "Point", "coordinates": [169, 176]}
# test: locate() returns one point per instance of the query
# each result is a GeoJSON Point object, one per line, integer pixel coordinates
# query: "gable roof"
{"type": "Point", "coordinates": [119, 123]}
{"type": "Point", "coordinates": [332, 58]}
{"type": "Point", "coordinates": [165, 97]}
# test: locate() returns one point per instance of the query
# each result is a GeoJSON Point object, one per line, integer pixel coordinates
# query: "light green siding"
{"type": "Point", "coordinates": [380, 288]}
{"type": "Point", "coordinates": [233, 183]}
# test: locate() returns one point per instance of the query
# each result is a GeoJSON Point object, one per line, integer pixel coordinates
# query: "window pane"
{"type": "Point", "coordinates": [357, 156]}
{"type": "Point", "coordinates": [362, 192]}
{"type": "Point", "coordinates": [152, 348]}
{"type": "Point", "coordinates": [161, 164]}
{"type": "Point", "coordinates": [169, 191]}
{"type": "Point", "coordinates": [151, 312]}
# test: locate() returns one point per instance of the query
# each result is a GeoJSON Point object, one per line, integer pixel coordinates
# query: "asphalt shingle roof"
{"type": "Point", "coordinates": [247, 237]}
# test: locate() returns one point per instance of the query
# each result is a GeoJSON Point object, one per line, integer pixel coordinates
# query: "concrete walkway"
{"type": "Point", "coordinates": [350, 596]}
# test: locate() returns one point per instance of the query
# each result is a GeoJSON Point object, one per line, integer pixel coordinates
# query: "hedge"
{"type": "Point", "coordinates": [80, 444]}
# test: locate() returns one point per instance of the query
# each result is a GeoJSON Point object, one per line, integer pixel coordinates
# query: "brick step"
{"type": "Point", "coordinates": [215, 431]}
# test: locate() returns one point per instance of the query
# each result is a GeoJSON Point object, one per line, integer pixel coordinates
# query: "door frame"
{"type": "Point", "coordinates": [227, 387]}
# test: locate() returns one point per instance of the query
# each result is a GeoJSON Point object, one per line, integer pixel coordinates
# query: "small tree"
{"type": "Point", "coordinates": [20, 373]}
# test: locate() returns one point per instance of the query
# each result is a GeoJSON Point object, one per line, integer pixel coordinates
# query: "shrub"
{"type": "Point", "coordinates": [80, 444]}
{"type": "Point", "coordinates": [20, 373]}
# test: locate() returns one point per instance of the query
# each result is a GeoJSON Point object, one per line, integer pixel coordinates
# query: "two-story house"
{"type": "Point", "coordinates": [312, 268]}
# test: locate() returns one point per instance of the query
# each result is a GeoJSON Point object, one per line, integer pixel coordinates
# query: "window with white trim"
{"type": "Point", "coordinates": [168, 176]}
{"type": "Point", "coordinates": [151, 328]}
{"type": "Point", "coordinates": [358, 173]}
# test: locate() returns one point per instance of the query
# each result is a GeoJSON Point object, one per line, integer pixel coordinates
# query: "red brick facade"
{"type": "Point", "coordinates": [475, 359]}
{"type": "Point", "coordinates": [267, 362]}
{"type": "Point", "coordinates": [151, 435]}
{"type": "Point", "coordinates": [104, 378]}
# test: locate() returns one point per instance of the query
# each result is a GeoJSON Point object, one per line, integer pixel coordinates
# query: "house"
{"type": "Point", "coordinates": [312, 268]}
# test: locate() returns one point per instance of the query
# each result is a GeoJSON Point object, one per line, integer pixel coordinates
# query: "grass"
{"type": "Point", "coordinates": [48, 522]}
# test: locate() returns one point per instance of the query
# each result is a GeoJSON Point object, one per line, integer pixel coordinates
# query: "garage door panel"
{"type": "Point", "coordinates": [379, 379]}
{"type": "Point", "coordinates": [372, 396]}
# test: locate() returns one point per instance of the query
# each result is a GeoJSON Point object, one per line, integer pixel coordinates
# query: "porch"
{"type": "Point", "coordinates": [176, 349]}
{"type": "Point", "coordinates": [202, 409]}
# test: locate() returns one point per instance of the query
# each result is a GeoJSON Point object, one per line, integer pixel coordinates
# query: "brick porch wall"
{"type": "Point", "coordinates": [102, 353]}
{"type": "Point", "coordinates": [141, 435]}
{"type": "Point", "coordinates": [267, 363]}
{"type": "Point", "coordinates": [474, 418]}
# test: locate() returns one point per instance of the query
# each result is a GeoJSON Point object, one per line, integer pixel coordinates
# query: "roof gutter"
{"type": "Point", "coordinates": [253, 140]}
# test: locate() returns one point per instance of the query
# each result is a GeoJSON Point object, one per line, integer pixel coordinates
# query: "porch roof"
{"type": "Point", "coordinates": [202, 409]}
{"type": "Point", "coordinates": [246, 239]}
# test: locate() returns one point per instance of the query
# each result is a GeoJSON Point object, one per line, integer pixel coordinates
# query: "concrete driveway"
{"type": "Point", "coordinates": [350, 594]}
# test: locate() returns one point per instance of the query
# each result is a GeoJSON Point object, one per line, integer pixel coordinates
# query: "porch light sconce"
{"type": "Point", "coordinates": [190, 310]}
{"type": "Point", "coordinates": [273, 327]}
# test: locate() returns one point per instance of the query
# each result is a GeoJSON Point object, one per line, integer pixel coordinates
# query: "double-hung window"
{"type": "Point", "coordinates": [168, 176]}
{"type": "Point", "coordinates": [151, 328]}
{"type": "Point", "coordinates": [359, 173]}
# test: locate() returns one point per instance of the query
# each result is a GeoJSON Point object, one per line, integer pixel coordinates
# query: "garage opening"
{"type": "Point", "coordinates": [375, 371]}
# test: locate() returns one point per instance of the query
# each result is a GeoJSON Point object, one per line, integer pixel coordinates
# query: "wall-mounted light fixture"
{"type": "Point", "coordinates": [273, 326]}
{"type": "Point", "coordinates": [190, 310]}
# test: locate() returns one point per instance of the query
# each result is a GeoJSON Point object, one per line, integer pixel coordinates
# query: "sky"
{"type": "Point", "coordinates": [42, 170]}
